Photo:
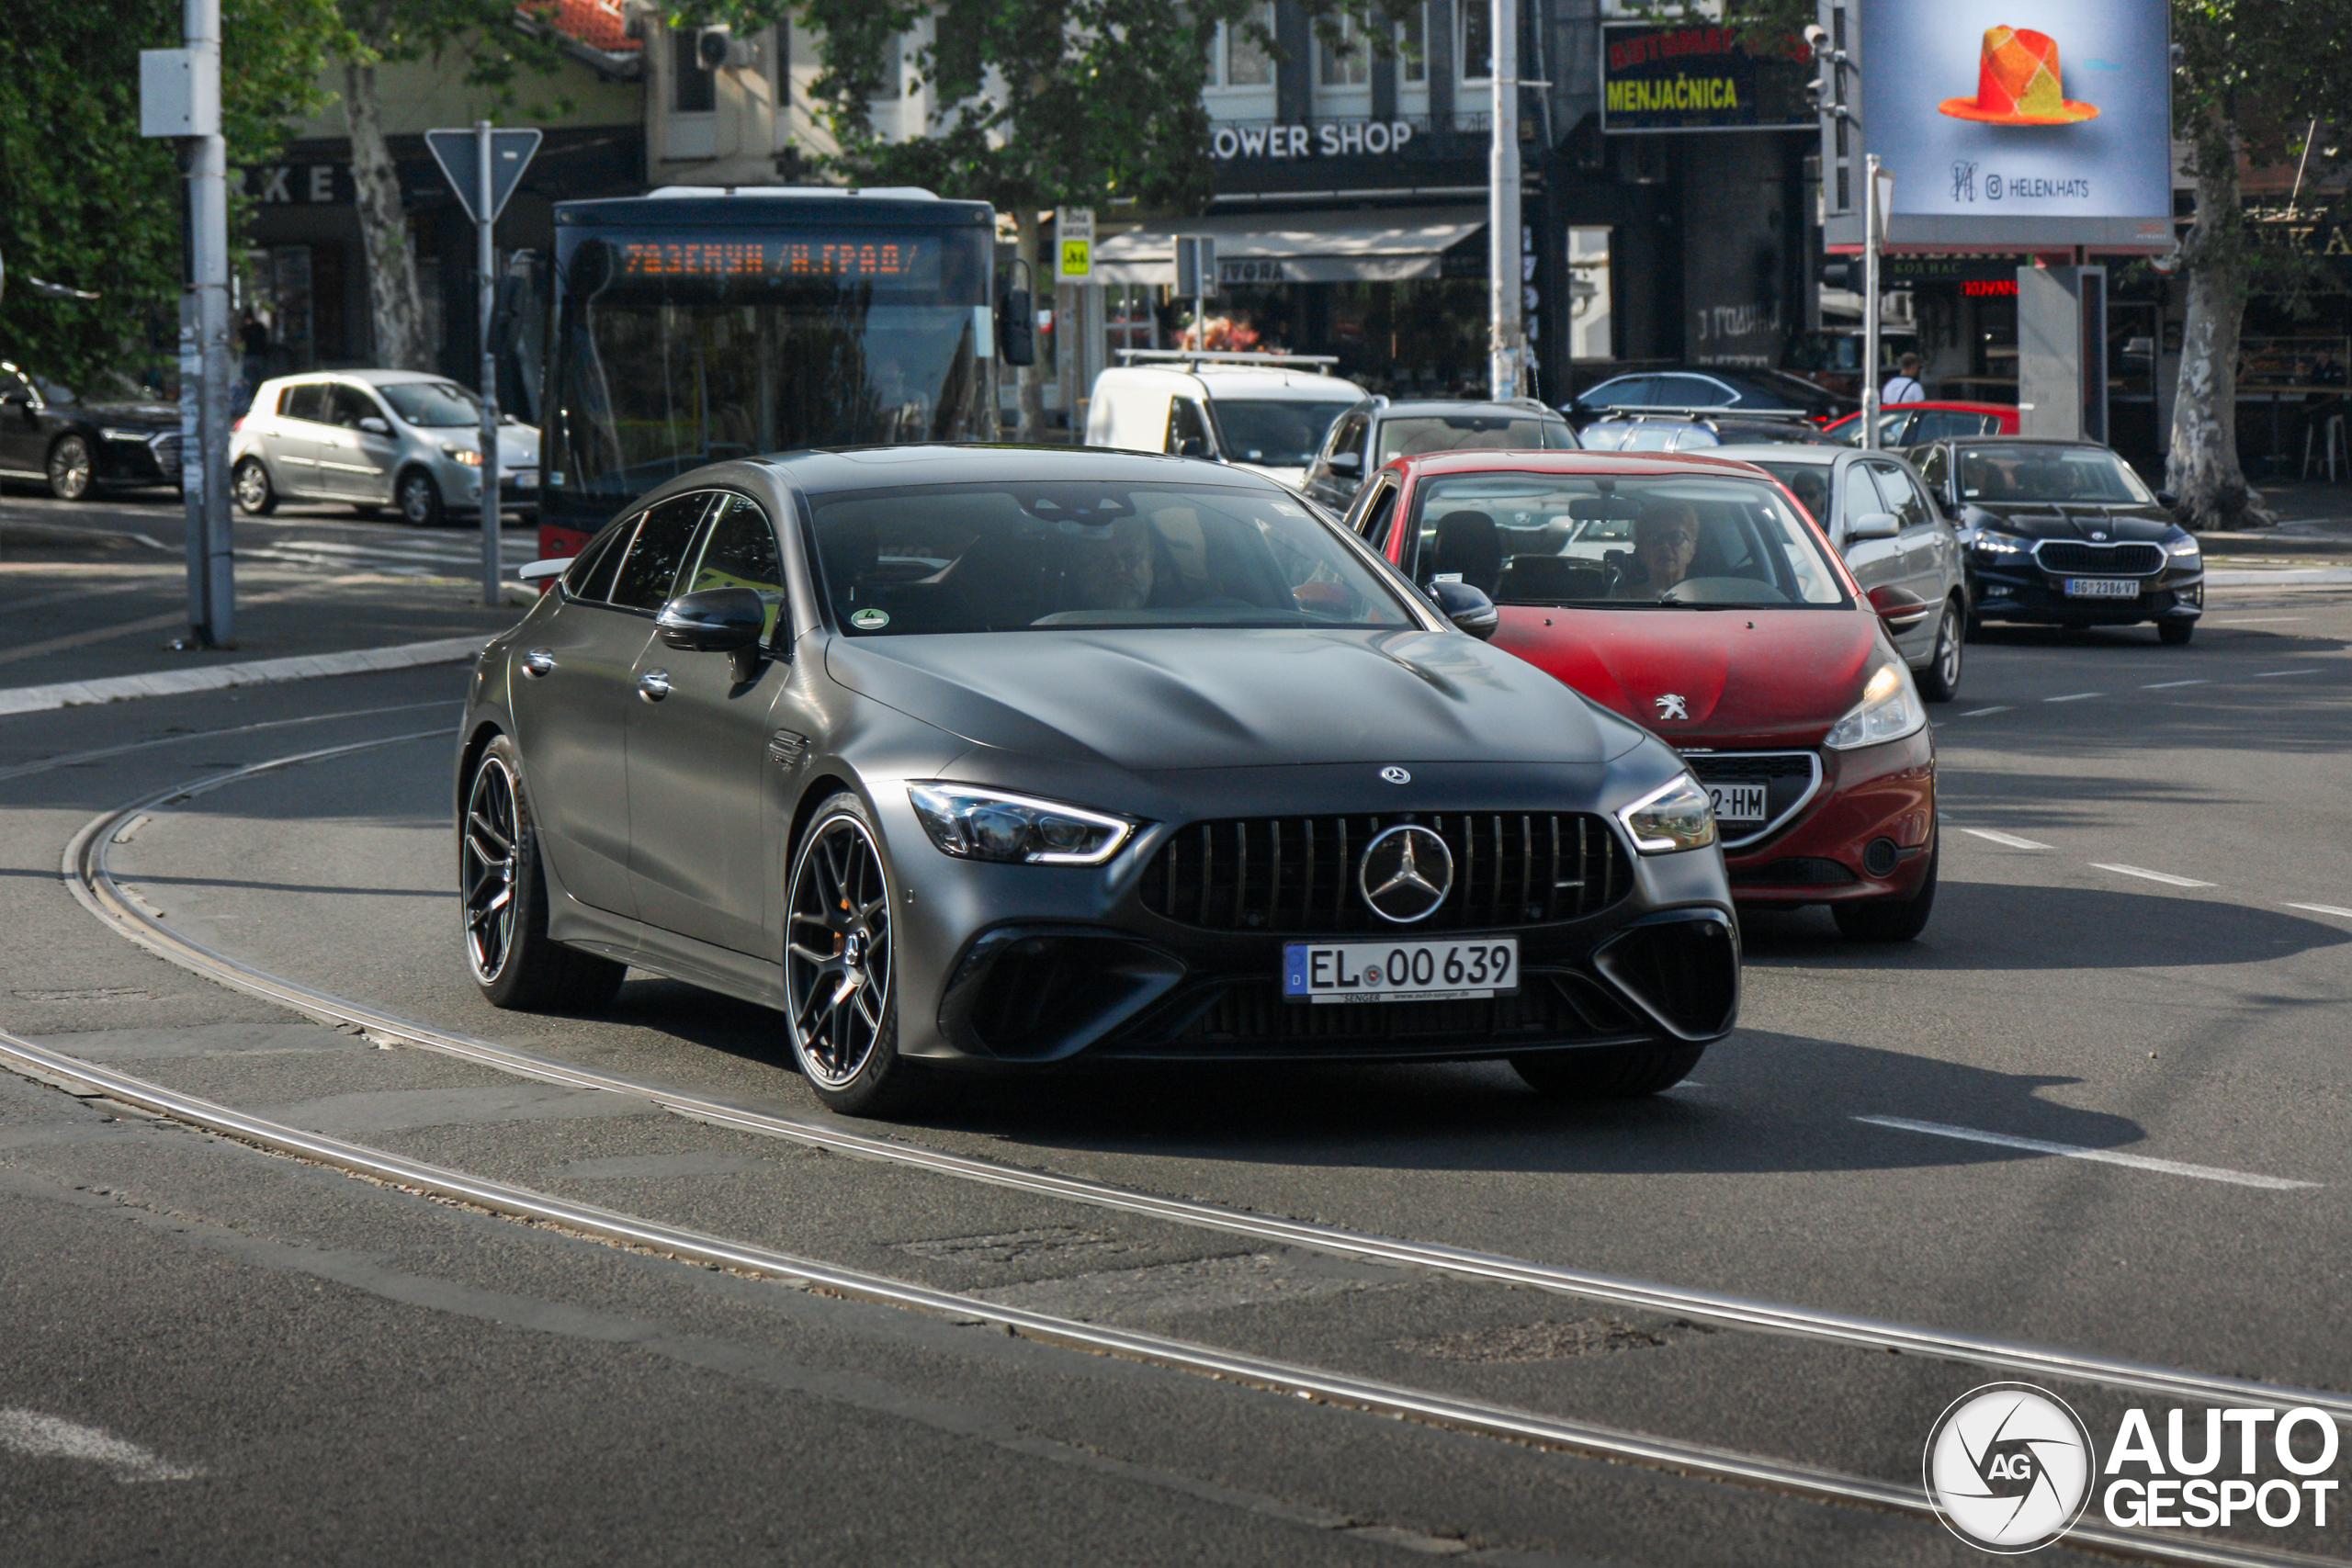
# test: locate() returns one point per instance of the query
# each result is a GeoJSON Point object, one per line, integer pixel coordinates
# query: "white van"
{"type": "Point", "coordinates": [1264, 411]}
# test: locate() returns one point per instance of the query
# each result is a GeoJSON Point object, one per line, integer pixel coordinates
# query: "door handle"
{"type": "Point", "coordinates": [539, 664]}
{"type": "Point", "coordinates": [653, 685]}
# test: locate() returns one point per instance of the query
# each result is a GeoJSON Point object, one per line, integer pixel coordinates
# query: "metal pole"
{"type": "Point", "coordinates": [204, 461]}
{"type": "Point", "coordinates": [1870, 386]}
{"type": "Point", "coordinates": [1504, 340]}
{"type": "Point", "coordinates": [493, 592]}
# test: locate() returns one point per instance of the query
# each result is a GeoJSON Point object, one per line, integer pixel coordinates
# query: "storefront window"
{"type": "Point", "coordinates": [1236, 58]}
{"type": "Point", "coordinates": [1348, 63]}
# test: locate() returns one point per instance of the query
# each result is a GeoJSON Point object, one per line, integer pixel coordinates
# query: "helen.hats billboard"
{"type": "Point", "coordinates": [2000, 134]}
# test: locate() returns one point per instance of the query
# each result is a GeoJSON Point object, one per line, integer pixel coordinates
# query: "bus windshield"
{"type": "Point", "coordinates": [679, 346]}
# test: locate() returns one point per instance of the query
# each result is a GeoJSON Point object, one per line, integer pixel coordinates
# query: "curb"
{"type": "Point", "coordinates": [2257, 579]}
{"type": "Point", "coordinates": [256, 673]}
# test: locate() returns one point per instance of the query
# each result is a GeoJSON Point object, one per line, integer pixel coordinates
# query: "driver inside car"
{"type": "Point", "coordinates": [1112, 568]}
{"type": "Point", "coordinates": [1666, 536]}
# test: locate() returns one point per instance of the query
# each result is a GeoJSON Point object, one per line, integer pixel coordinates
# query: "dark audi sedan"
{"type": "Point", "coordinates": [1005, 758]}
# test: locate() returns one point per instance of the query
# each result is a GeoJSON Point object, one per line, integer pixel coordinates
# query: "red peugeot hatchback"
{"type": "Point", "coordinates": [1694, 596]}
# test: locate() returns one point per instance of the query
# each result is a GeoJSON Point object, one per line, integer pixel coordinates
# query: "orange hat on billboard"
{"type": "Point", "coordinates": [2017, 83]}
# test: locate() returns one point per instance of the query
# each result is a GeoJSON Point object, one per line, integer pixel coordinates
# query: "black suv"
{"type": "Point", "coordinates": [1378, 431]}
{"type": "Point", "coordinates": [47, 433]}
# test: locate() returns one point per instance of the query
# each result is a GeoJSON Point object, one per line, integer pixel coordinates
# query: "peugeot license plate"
{"type": "Point", "coordinates": [1737, 802]}
{"type": "Point", "coordinates": [2103, 588]}
{"type": "Point", "coordinates": [1400, 971]}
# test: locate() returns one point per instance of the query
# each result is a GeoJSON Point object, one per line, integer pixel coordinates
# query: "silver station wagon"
{"type": "Point", "coordinates": [375, 438]}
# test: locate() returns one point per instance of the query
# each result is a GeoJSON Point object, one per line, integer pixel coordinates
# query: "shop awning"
{"type": "Point", "coordinates": [1297, 247]}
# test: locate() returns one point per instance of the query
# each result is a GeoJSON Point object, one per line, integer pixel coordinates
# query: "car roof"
{"type": "Point", "coordinates": [1532, 460]}
{"type": "Point", "coordinates": [844, 468]}
{"type": "Point", "coordinates": [1938, 403]}
{"type": "Point", "coordinates": [1822, 453]}
{"type": "Point", "coordinates": [1426, 408]}
{"type": "Point", "coordinates": [1997, 439]}
{"type": "Point", "coordinates": [1231, 380]}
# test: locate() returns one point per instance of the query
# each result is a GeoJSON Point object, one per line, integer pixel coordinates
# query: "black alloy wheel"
{"type": "Point", "coordinates": [839, 967]}
{"type": "Point", "coordinates": [1891, 920]}
{"type": "Point", "coordinates": [419, 498]}
{"type": "Point", "coordinates": [504, 901]}
{"type": "Point", "coordinates": [1940, 682]}
{"type": "Point", "coordinates": [1607, 1072]}
{"type": "Point", "coordinates": [69, 468]}
{"type": "Point", "coordinates": [256, 497]}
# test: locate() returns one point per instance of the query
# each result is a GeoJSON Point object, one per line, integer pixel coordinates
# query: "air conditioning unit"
{"type": "Point", "coordinates": [716, 49]}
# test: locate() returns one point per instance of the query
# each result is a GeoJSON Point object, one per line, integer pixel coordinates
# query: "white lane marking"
{"type": "Point", "coordinates": [2256, 620]}
{"type": "Point", "coordinates": [151, 543]}
{"type": "Point", "coordinates": [2163, 877]}
{"type": "Point", "coordinates": [2073, 697]}
{"type": "Point", "coordinates": [36, 1436]}
{"type": "Point", "coordinates": [1980, 713]}
{"type": "Point", "coordinates": [2011, 839]}
{"type": "Point", "coordinates": [2167, 685]}
{"type": "Point", "coordinates": [2322, 910]}
{"type": "Point", "coordinates": [2103, 1157]}
{"type": "Point", "coordinates": [2273, 674]}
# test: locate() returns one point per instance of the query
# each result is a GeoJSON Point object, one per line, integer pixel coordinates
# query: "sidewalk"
{"type": "Point", "coordinates": [86, 619]}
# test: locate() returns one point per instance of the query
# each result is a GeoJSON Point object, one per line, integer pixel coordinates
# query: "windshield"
{"type": "Point", "coordinates": [2049, 473]}
{"type": "Point", "coordinates": [675, 349]}
{"type": "Point", "coordinates": [1012, 556]}
{"type": "Point", "coordinates": [1277, 434]}
{"type": "Point", "coordinates": [1674, 540]}
{"type": "Point", "coordinates": [433, 405]}
{"type": "Point", "coordinates": [1408, 434]}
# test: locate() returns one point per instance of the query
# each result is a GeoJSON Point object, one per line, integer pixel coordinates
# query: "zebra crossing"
{"type": "Point", "coordinates": [395, 556]}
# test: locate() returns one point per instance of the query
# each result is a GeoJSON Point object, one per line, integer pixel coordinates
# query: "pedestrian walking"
{"type": "Point", "coordinates": [1904, 387]}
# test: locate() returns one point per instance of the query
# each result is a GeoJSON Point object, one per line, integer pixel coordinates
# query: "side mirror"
{"type": "Point", "coordinates": [1346, 465]}
{"type": "Point", "coordinates": [1016, 328]}
{"type": "Point", "coordinates": [1873, 525]}
{"type": "Point", "coordinates": [716, 620]}
{"type": "Point", "coordinates": [2167, 499]}
{"type": "Point", "coordinates": [1468, 608]}
{"type": "Point", "coordinates": [1192, 446]}
{"type": "Point", "coordinates": [1899, 608]}
{"type": "Point", "coordinates": [542, 570]}
{"type": "Point", "coordinates": [375, 426]}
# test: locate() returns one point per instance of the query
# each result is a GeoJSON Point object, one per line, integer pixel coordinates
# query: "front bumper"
{"type": "Point", "coordinates": [143, 457]}
{"type": "Point", "coordinates": [1866, 833]}
{"type": "Point", "coordinates": [2016, 589]}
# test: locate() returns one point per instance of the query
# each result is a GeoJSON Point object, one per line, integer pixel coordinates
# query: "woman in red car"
{"type": "Point", "coordinates": [1695, 597]}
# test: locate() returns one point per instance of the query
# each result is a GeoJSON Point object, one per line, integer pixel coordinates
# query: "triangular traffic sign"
{"type": "Point", "coordinates": [459, 157]}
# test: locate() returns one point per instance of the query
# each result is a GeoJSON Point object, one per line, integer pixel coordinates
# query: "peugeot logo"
{"type": "Point", "coordinates": [1671, 706]}
{"type": "Point", "coordinates": [1395, 774]}
{"type": "Point", "coordinates": [1406, 874]}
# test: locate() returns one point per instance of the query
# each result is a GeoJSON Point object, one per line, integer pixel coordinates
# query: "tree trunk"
{"type": "Point", "coordinates": [1030, 228]}
{"type": "Point", "coordinates": [394, 299]}
{"type": "Point", "coordinates": [2203, 466]}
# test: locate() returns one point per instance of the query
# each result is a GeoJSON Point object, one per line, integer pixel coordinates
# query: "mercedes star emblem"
{"type": "Point", "coordinates": [1395, 774]}
{"type": "Point", "coordinates": [1672, 707]}
{"type": "Point", "coordinates": [1406, 874]}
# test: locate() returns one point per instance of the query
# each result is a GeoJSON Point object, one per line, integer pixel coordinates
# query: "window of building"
{"type": "Point", "coordinates": [1477, 54]}
{"type": "Point", "coordinates": [1412, 47]}
{"type": "Point", "coordinates": [1238, 59]}
{"type": "Point", "coordinates": [1347, 64]}
{"type": "Point", "coordinates": [693, 90]}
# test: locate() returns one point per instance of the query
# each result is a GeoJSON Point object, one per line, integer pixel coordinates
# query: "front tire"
{"type": "Point", "coordinates": [256, 497]}
{"type": "Point", "coordinates": [69, 468]}
{"type": "Point", "coordinates": [419, 498]}
{"type": "Point", "coordinates": [1891, 920]}
{"type": "Point", "coordinates": [839, 968]}
{"type": "Point", "coordinates": [1940, 682]}
{"type": "Point", "coordinates": [503, 896]}
{"type": "Point", "coordinates": [2176, 633]}
{"type": "Point", "coordinates": [1608, 1072]}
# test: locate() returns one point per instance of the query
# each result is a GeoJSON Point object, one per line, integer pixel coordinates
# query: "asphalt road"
{"type": "Point", "coordinates": [2099, 1106]}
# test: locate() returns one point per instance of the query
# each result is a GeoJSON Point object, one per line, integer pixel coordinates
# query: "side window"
{"type": "Point", "coordinates": [1625, 392]}
{"type": "Point", "coordinates": [1860, 498]}
{"type": "Point", "coordinates": [1379, 516]}
{"type": "Point", "coordinates": [590, 576]}
{"type": "Point", "coordinates": [1188, 429]}
{"type": "Point", "coordinates": [1931, 468]}
{"type": "Point", "coordinates": [740, 553]}
{"type": "Point", "coordinates": [305, 400]}
{"type": "Point", "coordinates": [658, 553]}
{"type": "Point", "coordinates": [1903, 497]}
{"type": "Point", "coordinates": [347, 405]}
{"type": "Point", "coordinates": [1347, 435]}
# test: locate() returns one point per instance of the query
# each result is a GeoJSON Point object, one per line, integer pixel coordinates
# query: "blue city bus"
{"type": "Point", "coordinates": [694, 324]}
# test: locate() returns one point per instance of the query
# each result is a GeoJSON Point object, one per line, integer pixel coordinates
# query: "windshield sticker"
{"type": "Point", "coordinates": [870, 620]}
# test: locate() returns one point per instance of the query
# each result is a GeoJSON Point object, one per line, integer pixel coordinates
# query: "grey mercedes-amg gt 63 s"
{"type": "Point", "coordinates": [1017, 758]}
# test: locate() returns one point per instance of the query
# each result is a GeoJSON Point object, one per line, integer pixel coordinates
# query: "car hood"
{"type": "Point", "coordinates": [1744, 677]}
{"type": "Point", "coordinates": [2073, 519]}
{"type": "Point", "coordinates": [151, 416]}
{"type": "Point", "coordinates": [1151, 700]}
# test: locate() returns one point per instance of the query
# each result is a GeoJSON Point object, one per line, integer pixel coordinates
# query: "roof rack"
{"type": "Point", "coordinates": [1206, 356]}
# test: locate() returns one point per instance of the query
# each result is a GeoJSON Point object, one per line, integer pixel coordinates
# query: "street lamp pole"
{"type": "Point", "coordinates": [1505, 340]}
{"type": "Point", "coordinates": [203, 356]}
{"type": "Point", "coordinates": [493, 590]}
{"type": "Point", "coordinates": [1872, 219]}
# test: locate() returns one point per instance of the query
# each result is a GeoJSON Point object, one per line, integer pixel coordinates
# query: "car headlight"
{"type": "Point", "coordinates": [1676, 815]}
{"type": "Point", "coordinates": [466, 455]}
{"type": "Point", "coordinates": [1991, 543]}
{"type": "Point", "coordinates": [126, 434]}
{"type": "Point", "coordinates": [1889, 709]}
{"type": "Point", "coordinates": [986, 824]}
{"type": "Point", "coordinates": [2185, 546]}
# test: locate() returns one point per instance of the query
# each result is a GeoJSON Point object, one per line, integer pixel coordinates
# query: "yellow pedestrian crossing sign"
{"type": "Point", "coordinates": [1074, 233]}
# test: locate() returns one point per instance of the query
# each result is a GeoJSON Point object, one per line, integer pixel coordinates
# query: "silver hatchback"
{"type": "Point", "coordinates": [375, 438]}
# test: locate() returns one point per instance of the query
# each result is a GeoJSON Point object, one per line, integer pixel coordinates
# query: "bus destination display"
{"type": "Point", "coordinates": [906, 260]}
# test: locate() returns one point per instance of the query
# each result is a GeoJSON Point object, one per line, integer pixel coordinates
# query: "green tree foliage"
{"type": "Point", "coordinates": [86, 201]}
